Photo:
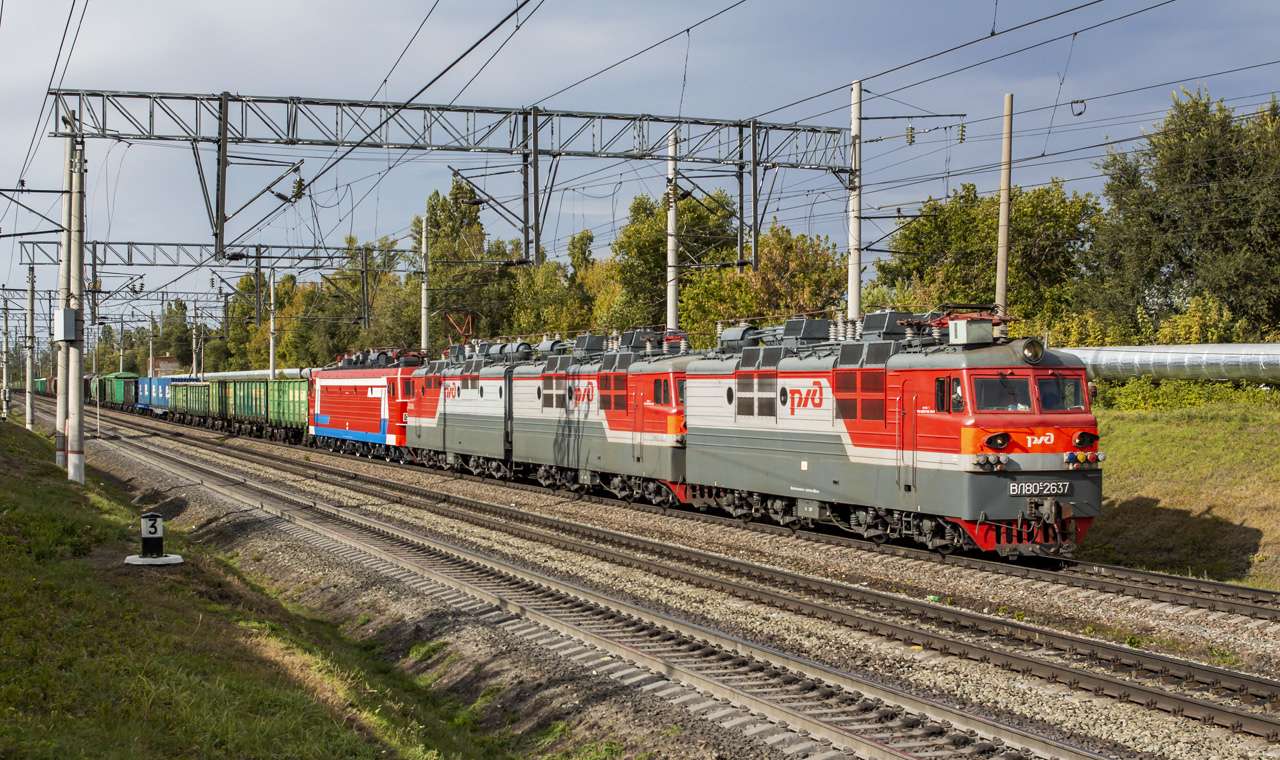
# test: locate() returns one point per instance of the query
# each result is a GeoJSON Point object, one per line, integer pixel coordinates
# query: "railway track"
{"type": "Point", "coordinates": [1106, 669]}
{"type": "Point", "coordinates": [833, 713]}
{"type": "Point", "coordinates": [1214, 596]}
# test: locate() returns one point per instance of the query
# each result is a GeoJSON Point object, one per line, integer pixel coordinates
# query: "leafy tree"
{"type": "Point", "coordinates": [949, 251]}
{"type": "Point", "coordinates": [798, 275]}
{"type": "Point", "coordinates": [1193, 213]}
{"type": "Point", "coordinates": [706, 235]}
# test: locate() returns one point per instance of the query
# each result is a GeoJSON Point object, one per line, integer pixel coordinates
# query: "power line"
{"type": "Point", "coordinates": [392, 114]}
{"type": "Point", "coordinates": [1042, 43]}
{"type": "Point", "coordinates": [639, 53]}
{"type": "Point", "coordinates": [931, 56]}
{"type": "Point", "coordinates": [35, 132]}
{"type": "Point", "coordinates": [373, 130]}
{"type": "Point", "coordinates": [382, 174]}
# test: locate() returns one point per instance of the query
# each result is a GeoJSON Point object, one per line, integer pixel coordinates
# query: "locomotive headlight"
{"type": "Point", "coordinates": [1004, 459]}
{"type": "Point", "coordinates": [998, 441]}
{"type": "Point", "coordinates": [1102, 457]}
{"type": "Point", "coordinates": [1084, 439]}
{"type": "Point", "coordinates": [1032, 350]}
{"type": "Point", "coordinates": [1092, 457]}
{"type": "Point", "coordinates": [982, 459]}
{"type": "Point", "coordinates": [1069, 457]}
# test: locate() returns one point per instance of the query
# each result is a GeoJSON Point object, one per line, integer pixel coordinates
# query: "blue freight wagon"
{"type": "Point", "coordinates": [154, 392]}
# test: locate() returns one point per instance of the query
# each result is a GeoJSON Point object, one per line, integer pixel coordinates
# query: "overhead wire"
{"type": "Point", "coordinates": [35, 132]}
{"type": "Point", "coordinates": [931, 56]}
{"type": "Point", "coordinates": [329, 165]}
{"type": "Point", "coordinates": [1002, 56]}
{"type": "Point", "coordinates": [642, 51]}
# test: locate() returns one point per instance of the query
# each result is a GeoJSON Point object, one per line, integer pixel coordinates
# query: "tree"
{"type": "Point", "coordinates": [949, 251]}
{"type": "Point", "coordinates": [798, 275]}
{"type": "Point", "coordinates": [1193, 213]}
{"type": "Point", "coordinates": [706, 235]}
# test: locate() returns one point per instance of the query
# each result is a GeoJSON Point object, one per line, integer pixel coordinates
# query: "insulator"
{"type": "Point", "coordinates": [960, 133]}
{"type": "Point", "coordinates": [911, 135]}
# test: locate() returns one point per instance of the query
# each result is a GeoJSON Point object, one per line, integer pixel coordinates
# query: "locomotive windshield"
{"type": "Point", "coordinates": [1061, 394]}
{"type": "Point", "coordinates": [1002, 394]}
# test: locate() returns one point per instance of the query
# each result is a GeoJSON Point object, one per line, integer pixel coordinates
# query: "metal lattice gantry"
{"type": "Point", "coordinates": [139, 254]}
{"type": "Point", "coordinates": [328, 122]}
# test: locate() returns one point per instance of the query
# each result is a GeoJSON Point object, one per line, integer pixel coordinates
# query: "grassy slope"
{"type": "Point", "coordinates": [1192, 491]}
{"type": "Point", "coordinates": [97, 660]}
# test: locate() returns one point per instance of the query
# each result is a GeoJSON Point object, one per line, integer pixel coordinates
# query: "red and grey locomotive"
{"type": "Point", "coordinates": [922, 427]}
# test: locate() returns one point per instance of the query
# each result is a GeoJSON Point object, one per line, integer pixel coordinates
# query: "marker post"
{"type": "Point", "coordinates": [153, 544]}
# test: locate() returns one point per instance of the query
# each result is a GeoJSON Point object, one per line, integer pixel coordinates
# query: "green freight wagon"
{"type": "Point", "coordinates": [189, 402]}
{"type": "Point", "coordinates": [42, 385]}
{"type": "Point", "coordinates": [248, 405]}
{"type": "Point", "coordinates": [122, 390]}
{"type": "Point", "coordinates": [220, 403]}
{"type": "Point", "coordinates": [118, 389]}
{"type": "Point", "coordinates": [287, 410]}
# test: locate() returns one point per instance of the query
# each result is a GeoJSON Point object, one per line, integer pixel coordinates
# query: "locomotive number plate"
{"type": "Point", "coordinates": [1041, 488]}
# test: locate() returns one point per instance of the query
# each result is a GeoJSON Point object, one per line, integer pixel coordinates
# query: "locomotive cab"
{"type": "Point", "coordinates": [1027, 476]}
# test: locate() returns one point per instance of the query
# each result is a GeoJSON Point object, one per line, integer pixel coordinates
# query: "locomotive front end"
{"type": "Point", "coordinates": [1030, 448]}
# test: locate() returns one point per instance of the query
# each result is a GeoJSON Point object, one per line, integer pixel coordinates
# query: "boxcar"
{"type": "Point", "coordinates": [154, 393]}
{"type": "Point", "coordinates": [189, 402]}
{"type": "Point", "coordinates": [220, 403]}
{"type": "Point", "coordinates": [287, 409]}
{"type": "Point", "coordinates": [248, 410]}
{"type": "Point", "coordinates": [118, 389]}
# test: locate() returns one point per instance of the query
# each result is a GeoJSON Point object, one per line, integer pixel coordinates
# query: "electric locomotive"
{"type": "Point", "coordinates": [924, 427]}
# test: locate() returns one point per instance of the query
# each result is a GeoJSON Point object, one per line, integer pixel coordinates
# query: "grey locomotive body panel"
{"type": "Point", "coordinates": [423, 434]}
{"type": "Point", "coordinates": [474, 411]}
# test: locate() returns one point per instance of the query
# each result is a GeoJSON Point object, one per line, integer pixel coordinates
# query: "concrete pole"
{"type": "Point", "coordinates": [31, 347]}
{"type": "Point", "coordinates": [854, 294]}
{"type": "Point", "coordinates": [673, 240]}
{"type": "Point", "coordinates": [271, 331]}
{"type": "Point", "coordinates": [4, 395]}
{"type": "Point", "coordinates": [64, 268]}
{"type": "Point", "coordinates": [195, 313]}
{"type": "Point", "coordinates": [424, 317]}
{"type": "Point", "coordinates": [75, 363]}
{"type": "Point", "coordinates": [742, 216]}
{"type": "Point", "coordinates": [120, 340]}
{"type": "Point", "coordinates": [1002, 245]}
{"type": "Point", "coordinates": [151, 356]}
{"type": "Point", "coordinates": [755, 198]}
{"type": "Point", "coordinates": [536, 191]}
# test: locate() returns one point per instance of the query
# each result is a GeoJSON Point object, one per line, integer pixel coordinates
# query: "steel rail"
{"type": "Point", "coordinates": [1118, 657]}
{"type": "Point", "coordinates": [806, 695]}
{"type": "Point", "coordinates": [1262, 604]}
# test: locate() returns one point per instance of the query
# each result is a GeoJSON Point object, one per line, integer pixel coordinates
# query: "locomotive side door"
{"type": "Point", "coordinates": [636, 404]}
{"type": "Point", "coordinates": [907, 447]}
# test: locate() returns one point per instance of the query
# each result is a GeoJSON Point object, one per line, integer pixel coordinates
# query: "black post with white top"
{"type": "Point", "coordinates": [153, 544]}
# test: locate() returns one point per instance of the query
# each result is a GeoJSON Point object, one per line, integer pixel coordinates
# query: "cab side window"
{"type": "Point", "coordinates": [957, 396]}
{"type": "Point", "coordinates": [940, 400]}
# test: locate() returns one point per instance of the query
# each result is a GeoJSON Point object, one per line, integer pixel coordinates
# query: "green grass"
{"type": "Point", "coordinates": [1192, 491]}
{"type": "Point", "coordinates": [99, 660]}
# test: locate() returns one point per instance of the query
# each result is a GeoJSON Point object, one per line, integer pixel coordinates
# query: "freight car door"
{"type": "Point", "coordinates": [907, 445]}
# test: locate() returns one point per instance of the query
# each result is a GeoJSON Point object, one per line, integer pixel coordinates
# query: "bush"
{"type": "Point", "coordinates": [1143, 393]}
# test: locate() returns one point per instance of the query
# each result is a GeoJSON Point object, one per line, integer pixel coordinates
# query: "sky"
{"type": "Point", "coordinates": [746, 62]}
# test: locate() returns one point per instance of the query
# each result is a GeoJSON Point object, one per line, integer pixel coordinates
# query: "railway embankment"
{"type": "Point", "coordinates": [1192, 491]}
{"type": "Point", "coordinates": [98, 659]}
{"type": "Point", "coordinates": [310, 652]}
{"type": "Point", "coordinates": [208, 659]}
